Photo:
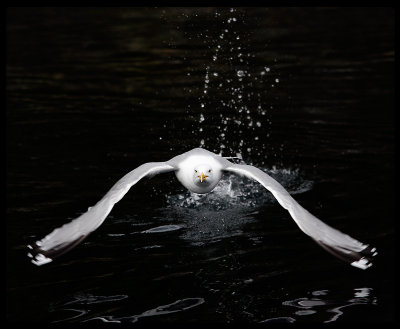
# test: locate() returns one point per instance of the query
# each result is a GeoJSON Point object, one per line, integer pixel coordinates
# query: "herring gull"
{"type": "Point", "coordinates": [200, 171]}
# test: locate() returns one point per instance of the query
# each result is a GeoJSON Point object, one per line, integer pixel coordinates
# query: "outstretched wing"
{"type": "Point", "coordinates": [337, 243]}
{"type": "Point", "coordinates": [69, 235]}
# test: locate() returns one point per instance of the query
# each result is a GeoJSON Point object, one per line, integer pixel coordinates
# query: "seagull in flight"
{"type": "Point", "coordinates": [200, 171]}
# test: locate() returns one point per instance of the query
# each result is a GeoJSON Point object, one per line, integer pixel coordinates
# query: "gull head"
{"type": "Point", "coordinates": [199, 172]}
{"type": "Point", "coordinates": [203, 174]}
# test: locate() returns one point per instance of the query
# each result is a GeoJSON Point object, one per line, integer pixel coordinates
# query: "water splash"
{"type": "Point", "coordinates": [229, 207]}
{"type": "Point", "coordinates": [234, 104]}
{"type": "Point", "coordinates": [239, 192]}
{"type": "Point", "coordinates": [230, 101]}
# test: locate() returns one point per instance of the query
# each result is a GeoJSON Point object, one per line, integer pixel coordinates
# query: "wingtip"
{"type": "Point", "coordinates": [36, 257]}
{"type": "Point", "coordinates": [41, 254]}
{"type": "Point", "coordinates": [40, 259]}
{"type": "Point", "coordinates": [365, 261]}
{"type": "Point", "coordinates": [361, 259]}
{"type": "Point", "coordinates": [362, 263]}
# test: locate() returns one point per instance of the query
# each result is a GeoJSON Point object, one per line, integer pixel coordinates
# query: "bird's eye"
{"type": "Point", "coordinates": [209, 170]}
{"type": "Point", "coordinates": [195, 170]}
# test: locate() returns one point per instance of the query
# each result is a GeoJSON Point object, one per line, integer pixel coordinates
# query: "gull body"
{"type": "Point", "coordinates": [200, 171]}
{"type": "Point", "coordinates": [189, 169]}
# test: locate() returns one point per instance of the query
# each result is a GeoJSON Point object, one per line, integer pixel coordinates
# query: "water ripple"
{"type": "Point", "coordinates": [87, 299]}
{"type": "Point", "coordinates": [162, 229]}
{"type": "Point", "coordinates": [308, 306]}
{"type": "Point", "coordinates": [177, 306]}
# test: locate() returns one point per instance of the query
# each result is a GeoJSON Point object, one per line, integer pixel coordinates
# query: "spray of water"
{"type": "Point", "coordinates": [233, 114]}
{"type": "Point", "coordinates": [229, 207]}
{"type": "Point", "coordinates": [230, 107]}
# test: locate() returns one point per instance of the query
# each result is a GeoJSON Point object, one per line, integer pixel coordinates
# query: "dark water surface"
{"type": "Point", "coordinates": [306, 94]}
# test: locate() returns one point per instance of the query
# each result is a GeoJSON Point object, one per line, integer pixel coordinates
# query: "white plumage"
{"type": "Point", "coordinates": [199, 171]}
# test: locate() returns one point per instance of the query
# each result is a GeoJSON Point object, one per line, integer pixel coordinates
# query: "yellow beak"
{"type": "Point", "coordinates": [202, 177]}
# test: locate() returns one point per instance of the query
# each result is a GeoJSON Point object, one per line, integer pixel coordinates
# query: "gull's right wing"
{"type": "Point", "coordinates": [71, 234]}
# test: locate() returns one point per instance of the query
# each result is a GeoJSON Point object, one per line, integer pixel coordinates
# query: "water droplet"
{"type": "Point", "coordinates": [240, 73]}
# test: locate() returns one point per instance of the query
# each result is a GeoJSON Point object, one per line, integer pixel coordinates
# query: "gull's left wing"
{"type": "Point", "coordinates": [337, 243]}
{"type": "Point", "coordinates": [71, 234]}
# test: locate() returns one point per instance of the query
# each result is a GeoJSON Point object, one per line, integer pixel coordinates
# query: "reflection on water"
{"type": "Point", "coordinates": [281, 319]}
{"type": "Point", "coordinates": [92, 299]}
{"type": "Point", "coordinates": [328, 304]}
{"type": "Point", "coordinates": [177, 306]}
{"type": "Point", "coordinates": [82, 299]}
{"type": "Point", "coordinates": [163, 228]}
{"type": "Point", "coordinates": [322, 302]}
